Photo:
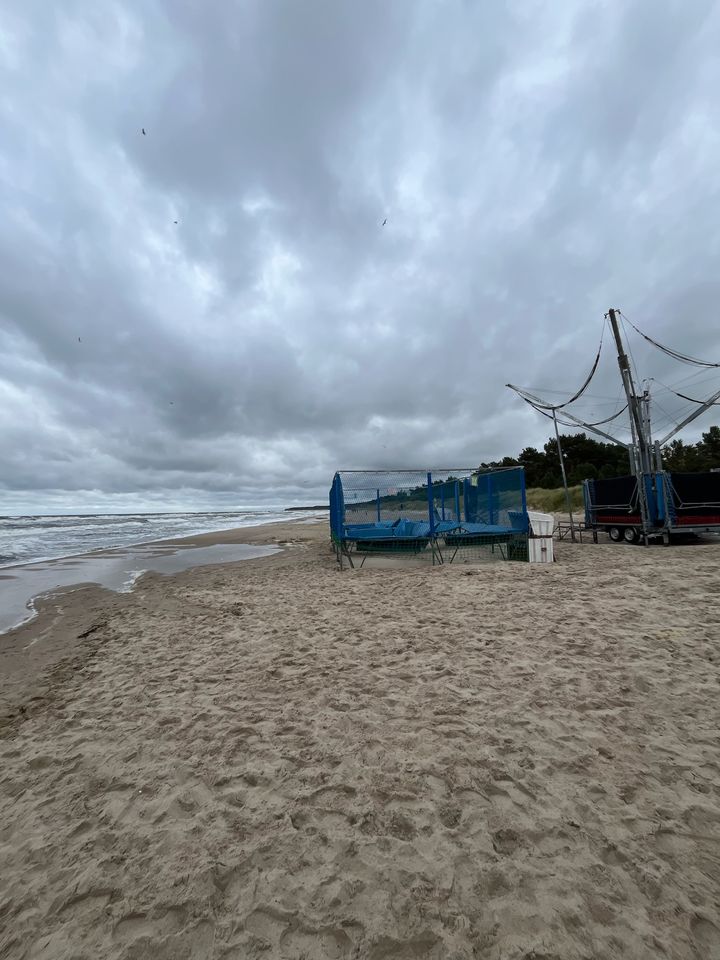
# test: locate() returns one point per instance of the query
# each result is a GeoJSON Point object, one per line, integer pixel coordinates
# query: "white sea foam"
{"type": "Point", "coordinates": [40, 538]}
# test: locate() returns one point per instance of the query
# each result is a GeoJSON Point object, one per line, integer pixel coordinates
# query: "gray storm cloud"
{"type": "Point", "coordinates": [213, 313]}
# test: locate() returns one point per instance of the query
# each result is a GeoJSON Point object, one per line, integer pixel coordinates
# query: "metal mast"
{"type": "Point", "coordinates": [641, 453]}
{"type": "Point", "coordinates": [639, 421]}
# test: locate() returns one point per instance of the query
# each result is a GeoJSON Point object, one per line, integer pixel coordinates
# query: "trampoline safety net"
{"type": "Point", "coordinates": [434, 513]}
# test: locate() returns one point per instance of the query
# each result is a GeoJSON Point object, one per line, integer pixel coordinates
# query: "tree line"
{"type": "Point", "coordinates": [586, 458]}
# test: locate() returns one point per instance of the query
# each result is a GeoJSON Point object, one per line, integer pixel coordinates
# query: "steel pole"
{"type": "Point", "coordinates": [568, 500]}
{"type": "Point", "coordinates": [641, 457]}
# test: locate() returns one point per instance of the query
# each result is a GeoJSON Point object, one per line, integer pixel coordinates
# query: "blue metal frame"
{"type": "Point", "coordinates": [431, 511]}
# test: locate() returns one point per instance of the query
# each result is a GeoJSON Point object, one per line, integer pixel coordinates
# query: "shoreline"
{"type": "Point", "coordinates": [164, 540]}
{"type": "Point", "coordinates": [62, 617]}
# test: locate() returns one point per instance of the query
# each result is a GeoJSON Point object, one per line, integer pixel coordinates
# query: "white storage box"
{"type": "Point", "coordinates": [540, 545]}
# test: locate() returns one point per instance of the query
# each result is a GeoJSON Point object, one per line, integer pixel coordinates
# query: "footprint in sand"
{"type": "Point", "coordinates": [418, 948]}
{"type": "Point", "coordinates": [89, 902]}
{"type": "Point", "coordinates": [267, 925]}
{"type": "Point", "coordinates": [328, 944]}
{"type": "Point", "coordinates": [137, 925]}
{"type": "Point", "coordinates": [450, 815]}
{"type": "Point", "coordinates": [706, 937]}
{"type": "Point", "coordinates": [493, 883]}
{"type": "Point", "coordinates": [178, 940]}
{"type": "Point", "coordinates": [506, 841]}
{"type": "Point", "coordinates": [612, 856]}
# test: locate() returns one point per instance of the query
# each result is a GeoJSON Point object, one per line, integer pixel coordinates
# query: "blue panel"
{"type": "Point", "coordinates": [660, 495]}
{"type": "Point", "coordinates": [336, 508]}
{"type": "Point", "coordinates": [431, 509]}
{"type": "Point", "coordinates": [519, 521]}
{"type": "Point", "coordinates": [651, 499]}
{"type": "Point", "coordinates": [587, 499]}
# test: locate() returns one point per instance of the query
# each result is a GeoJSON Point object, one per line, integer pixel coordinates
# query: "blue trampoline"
{"type": "Point", "coordinates": [438, 512]}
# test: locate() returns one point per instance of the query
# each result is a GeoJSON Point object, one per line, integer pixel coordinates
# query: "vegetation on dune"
{"type": "Point", "coordinates": [587, 459]}
{"type": "Point", "coordinates": [553, 501]}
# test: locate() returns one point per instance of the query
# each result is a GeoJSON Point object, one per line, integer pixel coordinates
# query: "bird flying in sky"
{"type": "Point", "coordinates": [143, 130]}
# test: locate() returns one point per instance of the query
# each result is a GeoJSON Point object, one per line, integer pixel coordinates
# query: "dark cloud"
{"type": "Point", "coordinates": [536, 163]}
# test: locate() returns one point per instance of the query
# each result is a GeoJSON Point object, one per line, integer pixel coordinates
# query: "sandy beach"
{"type": "Point", "coordinates": [273, 759]}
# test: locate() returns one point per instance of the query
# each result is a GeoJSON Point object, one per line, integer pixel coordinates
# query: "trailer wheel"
{"type": "Point", "coordinates": [615, 534]}
{"type": "Point", "coordinates": [630, 535]}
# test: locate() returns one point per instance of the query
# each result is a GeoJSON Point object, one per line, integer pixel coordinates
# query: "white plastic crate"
{"type": "Point", "coordinates": [540, 546]}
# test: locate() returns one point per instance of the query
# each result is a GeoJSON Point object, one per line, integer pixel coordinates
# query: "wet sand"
{"type": "Point", "coordinates": [116, 570]}
{"type": "Point", "coordinates": [273, 759]}
{"type": "Point", "coordinates": [66, 593]}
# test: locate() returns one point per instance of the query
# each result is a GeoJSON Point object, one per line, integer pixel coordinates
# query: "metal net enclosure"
{"type": "Point", "coordinates": [430, 513]}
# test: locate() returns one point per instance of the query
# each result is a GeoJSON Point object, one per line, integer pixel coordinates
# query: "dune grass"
{"type": "Point", "coordinates": [553, 501]}
{"type": "Point", "coordinates": [538, 498]}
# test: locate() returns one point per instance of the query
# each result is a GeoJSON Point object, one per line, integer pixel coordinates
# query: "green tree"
{"type": "Point", "coordinates": [586, 457]}
{"type": "Point", "coordinates": [583, 471]}
{"type": "Point", "coordinates": [535, 464]}
{"type": "Point", "coordinates": [683, 457]}
{"type": "Point", "coordinates": [711, 447]}
{"type": "Point", "coordinates": [609, 470]}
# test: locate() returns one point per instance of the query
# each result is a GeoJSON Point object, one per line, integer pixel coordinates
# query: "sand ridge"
{"type": "Point", "coordinates": [275, 759]}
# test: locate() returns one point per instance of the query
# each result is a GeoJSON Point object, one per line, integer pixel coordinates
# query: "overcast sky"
{"type": "Point", "coordinates": [536, 162]}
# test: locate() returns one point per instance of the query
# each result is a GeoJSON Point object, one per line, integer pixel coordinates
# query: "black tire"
{"type": "Point", "coordinates": [630, 535]}
{"type": "Point", "coordinates": [615, 534]}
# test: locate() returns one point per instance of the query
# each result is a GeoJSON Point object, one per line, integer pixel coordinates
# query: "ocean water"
{"type": "Point", "coordinates": [34, 539]}
{"type": "Point", "coordinates": [116, 569]}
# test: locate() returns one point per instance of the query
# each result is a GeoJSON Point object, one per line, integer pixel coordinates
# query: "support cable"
{"type": "Point", "coordinates": [559, 406]}
{"type": "Point", "coordinates": [675, 354]}
{"type": "Point", "coordinates": [714, 403]}
{"type": "Point", "coordinates": [596, 423]}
